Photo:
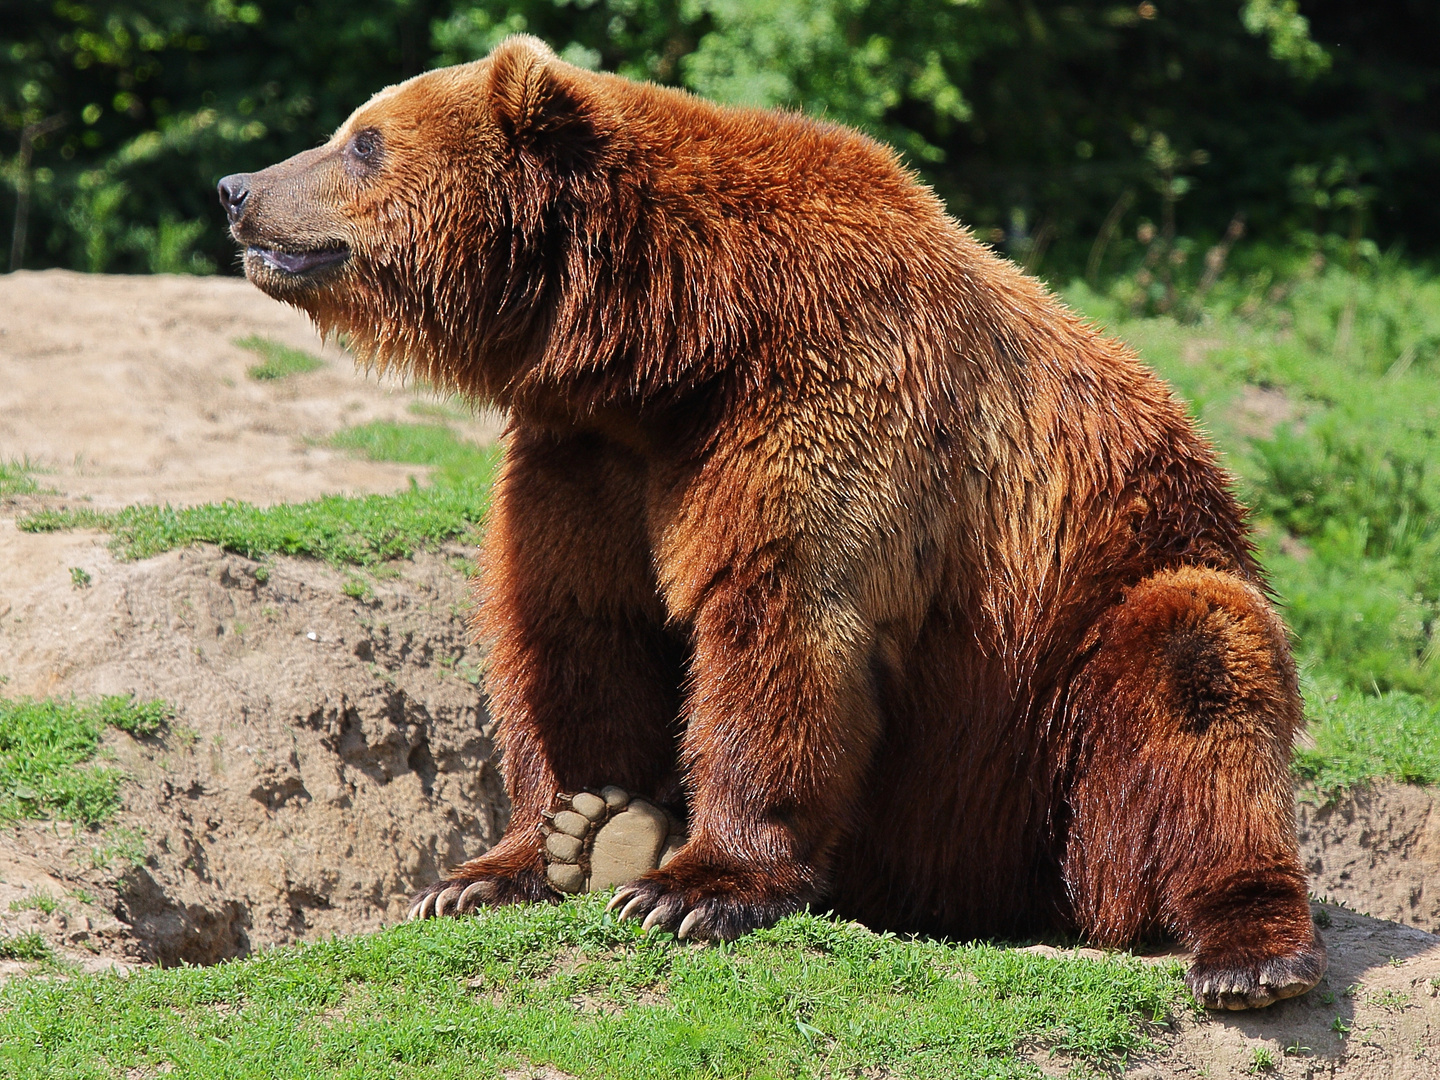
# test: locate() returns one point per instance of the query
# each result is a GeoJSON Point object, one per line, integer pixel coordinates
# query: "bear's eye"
{"type": "Point", "coordinates": [364, 148]}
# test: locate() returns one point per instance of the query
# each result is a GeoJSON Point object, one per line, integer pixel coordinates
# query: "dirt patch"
{"type": "Point", "coordinates": [1259, 410]}
{"type": "Point", "coordinates": [328, 755]}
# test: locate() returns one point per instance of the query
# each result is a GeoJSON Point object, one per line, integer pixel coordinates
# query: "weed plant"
{"type": "Point", "coordinates": [571, 987]}
{"type": "Point", "coordinates": [46, 752]}
{"type": "Point", "coordinates": [27, 946]}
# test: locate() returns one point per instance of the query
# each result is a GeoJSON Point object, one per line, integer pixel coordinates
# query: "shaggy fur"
{"type": "Point", "coordinates": [928, 597]}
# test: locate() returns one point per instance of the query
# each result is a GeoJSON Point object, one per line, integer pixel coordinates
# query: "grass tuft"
{"type": "Point", "coordinates": [17, 477]}
{"type": "Point", "coordinates": [30, 946]}
{"type": "Point", "coordinates": [571, 987]}
{"type": "Point", "coordinates": [277, 361]}
{"type": "Point", "coordinates": [46, 752]}
{"type": "Point", "coordinates": [40, 901]}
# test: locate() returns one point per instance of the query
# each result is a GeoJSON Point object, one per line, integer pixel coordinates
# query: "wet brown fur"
{"type": "Point", "coordinates": [930, 594]}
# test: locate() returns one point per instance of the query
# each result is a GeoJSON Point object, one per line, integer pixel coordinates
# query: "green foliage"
{"type": "Point", "coordinates": [1288, 32]}
{"type": "Point", "coordinates": [46, 747]}
{"type": "Point", "coordinates": [1033, 119]}
{"type": "Point", "coordinates": [277, 361]}
{"type": "Point", "coordinates": [571, 987]}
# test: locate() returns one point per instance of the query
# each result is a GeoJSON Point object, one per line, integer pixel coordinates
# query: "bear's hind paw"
{"type": "Point", "coordinates": [594, 842]}
{"type": "Point", "coordinates": [473, 886]}
{"type": "Point", "coordinates": [1217, 984]}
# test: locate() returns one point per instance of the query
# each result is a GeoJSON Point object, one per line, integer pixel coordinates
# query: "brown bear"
{"type": "Point", "coordinates": [923, 597]}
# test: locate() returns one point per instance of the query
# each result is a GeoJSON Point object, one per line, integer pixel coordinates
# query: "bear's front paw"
{"type": "Point", "coordinates": [1220, 982]}
{"type": "Point", "coordinates": [704, 903]}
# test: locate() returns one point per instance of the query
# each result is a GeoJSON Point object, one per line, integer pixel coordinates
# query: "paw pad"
{"type": "Point", "coordinates": [595, 842]}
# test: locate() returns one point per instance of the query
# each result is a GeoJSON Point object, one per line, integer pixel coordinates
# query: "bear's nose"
{"type": "Point", "coordinates": [234, 190]}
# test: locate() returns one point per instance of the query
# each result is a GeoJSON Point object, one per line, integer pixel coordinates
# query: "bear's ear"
{"type": "Point", "coordinates": [544, 106]}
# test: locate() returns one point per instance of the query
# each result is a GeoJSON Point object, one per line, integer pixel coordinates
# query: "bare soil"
{"type": "Point", "coordinates": [329, 755]}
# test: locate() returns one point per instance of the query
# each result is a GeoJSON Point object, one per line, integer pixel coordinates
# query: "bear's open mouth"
{"type": "Point", "coordinates": [299, 262]}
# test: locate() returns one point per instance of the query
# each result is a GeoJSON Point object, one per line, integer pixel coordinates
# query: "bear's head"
{"type": "Point", "coordinates": [535, 234]}
{"type": "Point", "coordinates": [431, 229]}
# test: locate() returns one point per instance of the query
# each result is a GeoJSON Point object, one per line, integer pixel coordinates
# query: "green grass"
{"type": "Point", "coordinates": [342, 530]}
{"type": "Point", "coordinates": [277, 361]}
{"type": "Point", "coordinates": [1358, 736]}
{"type": "Point", "coordinates": [569, 986]}
{"type": "Point", "coordinates": [1345, 489]}
{"type": "Point", "coordinates": [455, 461]}
{"type": "Point", "coordinates": [46, 752]}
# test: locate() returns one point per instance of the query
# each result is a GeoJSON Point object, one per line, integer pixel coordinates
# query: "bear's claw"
{"type": "Point", "coordinates": [463, 894]}
{"type": "Point", "coordinates": [691, 906]}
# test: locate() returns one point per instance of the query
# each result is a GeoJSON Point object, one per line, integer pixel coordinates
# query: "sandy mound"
{"type": "Point", "coordinates": [1376, 850]}
{"type": "Point", "coordinates": [329, 755]}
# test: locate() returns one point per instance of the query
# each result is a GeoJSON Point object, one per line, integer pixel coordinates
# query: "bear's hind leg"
{"type": "Point", "coordinates": [1182, 809]}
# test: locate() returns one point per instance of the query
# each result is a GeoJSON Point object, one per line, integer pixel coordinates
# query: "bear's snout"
{"type": "Point", "coordinates": [234, 190]}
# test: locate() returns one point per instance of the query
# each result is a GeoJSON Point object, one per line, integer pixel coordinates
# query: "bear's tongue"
{"type": "Point", "coordinates": [299, 263]}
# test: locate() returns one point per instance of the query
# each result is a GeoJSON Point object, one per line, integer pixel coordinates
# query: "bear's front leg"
{"type": "Point", "coordinates": [584, 678]}
{"type": "Point", "coordinates": [781, 722]}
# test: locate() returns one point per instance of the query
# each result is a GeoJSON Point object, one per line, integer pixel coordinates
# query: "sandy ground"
{"type": "Point", "coordinates": [131, 389]}
{"type": "Point", "coordinates": [329, 754]}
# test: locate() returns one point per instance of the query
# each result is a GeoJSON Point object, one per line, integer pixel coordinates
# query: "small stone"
{"type": "Point", "coordinates": [592, 806]}
{"type": "Point", "coordinates": [628, 846]}
{"type": "Point", "coordinates": [565, 848]}
{"type": "Point", "coordinates": [615, 798]}
{"type": "Point", "coordinates": [566, 877]}
{"type": "Point", "coordinates": [572, 824]}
